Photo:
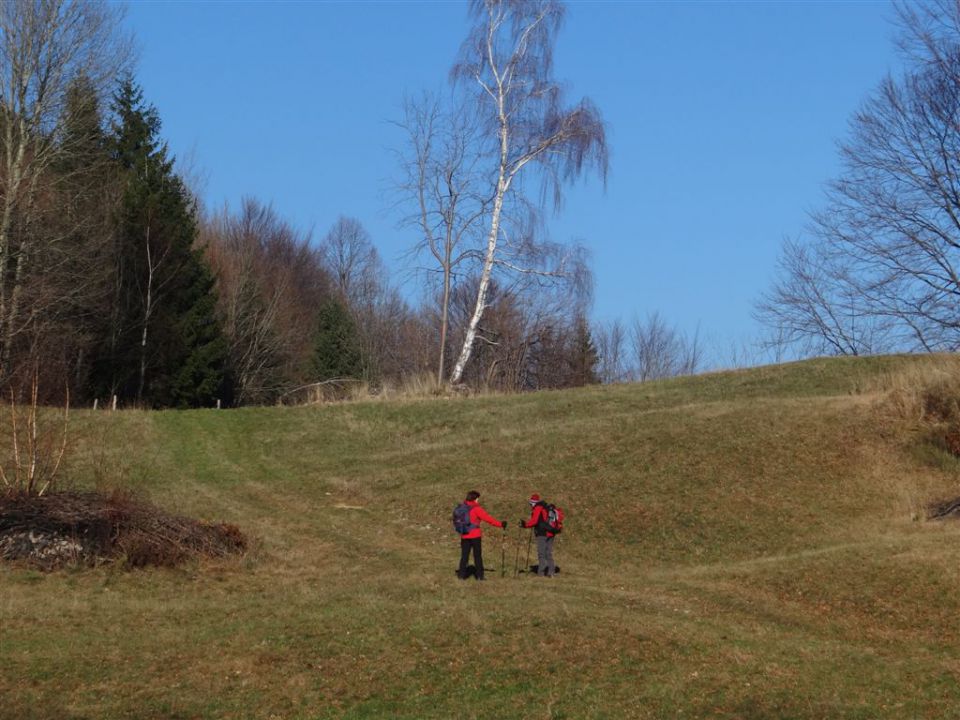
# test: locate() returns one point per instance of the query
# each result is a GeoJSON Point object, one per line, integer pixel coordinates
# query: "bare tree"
{"type": "Point", "coordinates": [152, 286]}
{"type": "Point", "coordinates": [442, 180]}
{"type": "Point", "coordinates": [361, 278]}
{"type": "Point", "coordinates": [507, 61]}
{"type": "Point", "coordinates": [395, 340]}
{"type": "Point", "coordinates": [351, 258]}
{"type": "Point", "coordinates": [661, 351]}
{"type": "Point", "coordinates": [45, 45]}
{"type": "Point", "coordinates": [509, 331]}
{"type": "Point", "coordinates": [882, 268]}
{"type": "Point", "coordinates": [270, 285]}
{"type": "Point", "coordinates": [36, 447]}
{"type": "Point", "coordinates": [816, 305]}
{"type": "Point", "coordinates": [611, 340]}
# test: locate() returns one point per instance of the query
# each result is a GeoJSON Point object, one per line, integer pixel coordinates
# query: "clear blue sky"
{"type": "Point", "coordinates": [723, 122]}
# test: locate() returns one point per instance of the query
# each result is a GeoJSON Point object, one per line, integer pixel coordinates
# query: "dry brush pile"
{"type": "Point", "coordinates": [87, 528]}
{"type": "Point", "coordinates": [44, 527]}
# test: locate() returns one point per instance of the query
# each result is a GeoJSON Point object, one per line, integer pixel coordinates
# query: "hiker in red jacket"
{"type": "Point", "coordinates": [471, 534]}
{"type": "Point", "coordinates": [540, 522]}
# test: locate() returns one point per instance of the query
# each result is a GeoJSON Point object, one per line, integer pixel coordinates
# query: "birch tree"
{"type": "Point", "coordinates": [44, 46]}
{"type": "Point", "coordinates": [506, 63]}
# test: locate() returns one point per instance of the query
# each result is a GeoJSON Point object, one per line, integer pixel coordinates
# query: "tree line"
{"type": "Point", "coordinates": [116, 282]}
{"type": "Point", "coordinates": [102, 288]}
{"type": "Point", "coordinates": [119, 285]}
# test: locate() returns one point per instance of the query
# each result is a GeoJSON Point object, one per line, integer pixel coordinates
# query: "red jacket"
{"type": "Point", "coordinates": [477, 514]}
{"type": "Point", "coordinates": [537, 514]}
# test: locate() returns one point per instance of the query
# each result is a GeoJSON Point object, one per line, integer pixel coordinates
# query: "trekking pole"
{"type": "Point", "coordinates": [526, 567]}
{"type": "Point", "coordinates": [503, 553]}
{"type": "Point", "coordinates": [555, 538]}
{"type": "Point", "coordinates": [516, 561]}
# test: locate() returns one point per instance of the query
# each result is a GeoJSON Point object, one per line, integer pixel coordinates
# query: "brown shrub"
{"type": "Point", "coordinates": [89, 528]}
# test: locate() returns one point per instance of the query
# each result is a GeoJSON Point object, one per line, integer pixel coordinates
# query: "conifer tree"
{"type": "Point", "coordinates": [337, 352]}
{"type": "Point", "coordinates": [199, 378]}
{"type": "Point", "coordinates": [584, 357]}
{"type": "Point", "coordinates": [165, 346]}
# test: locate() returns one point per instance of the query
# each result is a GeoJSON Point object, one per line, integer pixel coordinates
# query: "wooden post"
{"type": "Point", "coordinates": [95, 403]}
{"type": "Point", "coordinates": [114, 405]}
{"type": "Point", "coordinates": [218, 403]}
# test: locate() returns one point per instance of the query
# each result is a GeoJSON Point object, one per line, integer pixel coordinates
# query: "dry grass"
{"type": "Point", "coordinates": [413, 387]}
{"type": "Point", "coordinates": [925, 389]}
{"type": "Point", "coordinates": [919, 409]}
{"type": "Point", "coordinates": [348, 390]}
{"type": "Point", "coordinates": [738, 546]}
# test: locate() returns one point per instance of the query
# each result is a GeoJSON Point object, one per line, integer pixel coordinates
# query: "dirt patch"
{"type": "Point", "coordinates": [88, 528]}
{"type": "Point", "coordinates": [944, 509]}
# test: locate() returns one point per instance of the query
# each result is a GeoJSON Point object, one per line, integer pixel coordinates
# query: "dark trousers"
{"type": "Point", "coordinates": [465, 547]}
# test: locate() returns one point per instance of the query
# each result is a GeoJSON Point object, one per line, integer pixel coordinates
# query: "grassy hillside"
{"type": "Point", "coordinates": [739, 545]}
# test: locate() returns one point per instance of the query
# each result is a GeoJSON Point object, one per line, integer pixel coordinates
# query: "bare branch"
{"type": "Point", "coordinates": [881, 270]}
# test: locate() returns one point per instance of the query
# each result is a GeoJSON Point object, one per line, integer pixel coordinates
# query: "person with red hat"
{"type": "Point", "coordinates": [540, 522]}
{"type": "Point", "coordinates": [471, 535]}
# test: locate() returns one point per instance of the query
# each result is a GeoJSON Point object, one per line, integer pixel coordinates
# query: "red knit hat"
{"type": "Point", "coordinates": [534, 499]}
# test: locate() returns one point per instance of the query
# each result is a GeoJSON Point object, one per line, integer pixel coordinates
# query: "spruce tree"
{"type": "Point", "coordinates": [166, 346]}
{"type": "Point", "coordinates": [336, 350]}
{"type": "Point", "coordinates": [199, 378]}
{"type": "Point", "coordinates": [583, 357]}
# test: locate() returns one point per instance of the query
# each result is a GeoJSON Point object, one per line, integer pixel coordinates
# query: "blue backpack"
{"type": "Point", "coordinates": [461, 519]}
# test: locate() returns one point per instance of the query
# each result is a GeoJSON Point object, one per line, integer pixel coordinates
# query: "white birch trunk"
{"type": "Point", "coordinates": [148, 310]}
{"type": "Point", "coordinates": [485, 275]}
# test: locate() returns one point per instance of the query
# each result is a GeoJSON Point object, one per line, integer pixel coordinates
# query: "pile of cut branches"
{"type": "Point", "coordinates": [944, 509]}
{"type": "Point", "coordinates": [89, 528]}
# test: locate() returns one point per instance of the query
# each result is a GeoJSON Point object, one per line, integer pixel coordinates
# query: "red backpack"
{"type": "Point", "coordinates": [555, 518]}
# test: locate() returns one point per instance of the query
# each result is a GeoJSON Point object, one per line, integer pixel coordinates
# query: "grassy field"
{"type": "Point", "coordinates": [738, 545]}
